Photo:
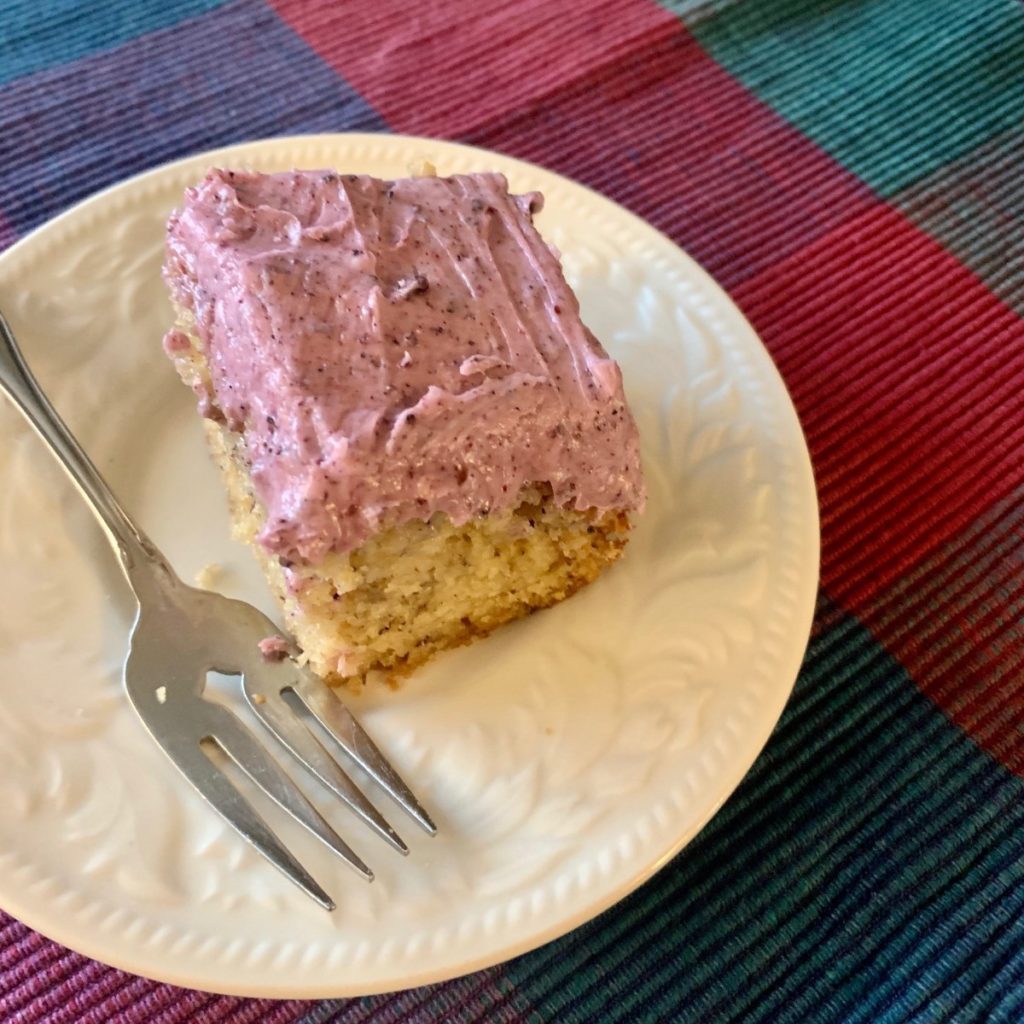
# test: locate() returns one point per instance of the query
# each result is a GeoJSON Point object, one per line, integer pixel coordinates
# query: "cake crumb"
{"type": "Point", "coordinates": [206, 578]}
{"type": "Point", "coordinates": [273, 648]}
{"type": "Point", "coordinates": [258, 698]}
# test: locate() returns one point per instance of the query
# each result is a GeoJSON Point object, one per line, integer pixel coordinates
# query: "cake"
{"type": "Point", "coordinates": [419, 437]}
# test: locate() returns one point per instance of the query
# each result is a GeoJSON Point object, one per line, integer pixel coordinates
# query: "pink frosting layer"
{"type": "Point", "coordinates": [393, 349]}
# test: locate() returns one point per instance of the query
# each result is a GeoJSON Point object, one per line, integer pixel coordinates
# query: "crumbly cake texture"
{"type": "Point", "coordinates": [400, 503]}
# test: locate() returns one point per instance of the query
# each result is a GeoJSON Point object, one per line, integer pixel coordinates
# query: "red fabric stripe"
{"type": "Point", "coordinates": [426, 79]}
{"type": "Point", "coordinates": [673, 136]}
{"type": "Point", "coordinates": [906, 372]}
{"type": "Point", "coordinates": [957, 624]}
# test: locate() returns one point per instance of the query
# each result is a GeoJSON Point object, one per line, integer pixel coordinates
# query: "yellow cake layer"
{"type": "Point", "coordinates": [420, 587]}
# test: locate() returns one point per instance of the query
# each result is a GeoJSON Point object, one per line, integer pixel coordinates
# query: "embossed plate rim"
{"type": "Point", "coordinates": [33, 901]}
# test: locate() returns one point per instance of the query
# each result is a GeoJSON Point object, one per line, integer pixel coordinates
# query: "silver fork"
{"type": "Point", "coordinates": [179, 635]}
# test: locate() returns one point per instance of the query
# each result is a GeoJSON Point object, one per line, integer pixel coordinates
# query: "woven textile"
{"type": "Point", "coordinates": [850, 170]}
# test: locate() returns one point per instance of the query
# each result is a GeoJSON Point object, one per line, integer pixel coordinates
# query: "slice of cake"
{"type": "Point", "coordinates": [420, 438]}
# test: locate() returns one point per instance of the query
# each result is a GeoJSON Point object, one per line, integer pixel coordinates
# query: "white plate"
{"type": "Point", "coordinates": [566, 759]}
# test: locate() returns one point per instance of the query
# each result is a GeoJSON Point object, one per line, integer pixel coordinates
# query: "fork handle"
{"type": "Point", "coordinates": [133, 547]}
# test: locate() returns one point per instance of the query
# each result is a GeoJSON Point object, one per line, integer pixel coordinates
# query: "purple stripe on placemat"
{"type": "Point", "coordinates": [232, 74]}
{"type": "Point", "coordinates": [8, 236]}
{"type": "Point", "coordinates": [44, 983]}
{"type": "Point", "coordinates": [485, 996]}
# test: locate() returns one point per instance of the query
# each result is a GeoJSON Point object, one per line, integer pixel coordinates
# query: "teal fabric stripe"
{"type": "Point", "coordinates": [36, 35]}
{"type": "Point", "coordinates": [893, 89]}
{"type": "Point", "coordinates": [870, 868]}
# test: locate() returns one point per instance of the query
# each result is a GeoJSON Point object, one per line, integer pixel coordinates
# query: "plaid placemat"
{"type": "Point", "coordinates": [851, 170]}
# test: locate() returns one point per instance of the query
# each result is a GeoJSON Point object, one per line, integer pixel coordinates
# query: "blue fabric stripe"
{"type": "Point", "coordinates": [88, 124]}
{"type": "Point", "coordinates": [37, 34]}
{"type": "Point", "coordinates": [869, 869]}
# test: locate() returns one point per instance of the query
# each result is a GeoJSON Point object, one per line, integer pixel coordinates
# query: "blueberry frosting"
{"type": "Point", "coordinates": [392, 349]}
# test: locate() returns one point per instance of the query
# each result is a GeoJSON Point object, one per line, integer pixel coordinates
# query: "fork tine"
{"type": "Point", "coordinates": [282, 721]}
{"type": "Point", "coordinates": [220, 793]}
{"type": "Point", "coordinates": [328, 710]}
{"type": "Point", "coordinates": [239, 744]}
